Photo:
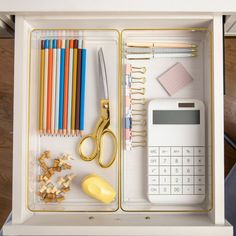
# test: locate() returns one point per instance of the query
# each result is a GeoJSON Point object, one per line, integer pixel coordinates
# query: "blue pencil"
{"type": "Point", "coordinates": [82, 91]}
{"type": "Point", "coordinates": [61, 97]}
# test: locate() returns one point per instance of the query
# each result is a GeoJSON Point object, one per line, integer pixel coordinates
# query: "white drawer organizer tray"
{"type": "Point", "coordinates": [130, 213]}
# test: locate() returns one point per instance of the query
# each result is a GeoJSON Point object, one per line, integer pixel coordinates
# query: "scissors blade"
{"type": "Point", "coordinates": [103, 73]}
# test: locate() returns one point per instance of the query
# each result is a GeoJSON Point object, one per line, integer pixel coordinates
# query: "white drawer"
{"type": "Point", "coordinates": [25, 222]}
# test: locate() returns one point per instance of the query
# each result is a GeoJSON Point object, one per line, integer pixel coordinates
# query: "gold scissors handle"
{"type": "Point", "coordinates": [97, 136]}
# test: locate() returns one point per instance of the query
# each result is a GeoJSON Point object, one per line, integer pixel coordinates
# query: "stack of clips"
{"type": "Point", "coordinates": [135, 113]}
{"type": "Point", "coordinates": [152, 50]}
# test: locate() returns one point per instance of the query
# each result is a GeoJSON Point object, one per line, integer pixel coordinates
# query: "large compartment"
{"type": "Point", "coordinates": [134, 162]}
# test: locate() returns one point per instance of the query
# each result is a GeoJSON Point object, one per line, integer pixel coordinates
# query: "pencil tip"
{"type": "Point", "coordinates": [81, 134]}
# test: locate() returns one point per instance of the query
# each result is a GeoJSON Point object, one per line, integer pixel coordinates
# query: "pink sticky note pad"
{"type": "Point", "coordinates": [175, 78]}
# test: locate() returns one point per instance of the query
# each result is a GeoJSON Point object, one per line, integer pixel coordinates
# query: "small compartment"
{"type": "Point", "coordinates": [146, 62]}
{"type": "Point", "coordinates": [58, 144]}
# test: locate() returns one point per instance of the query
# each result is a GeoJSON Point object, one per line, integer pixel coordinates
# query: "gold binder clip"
{"type": "Point", "coordinates": [136, 122]}
{"type": "Point", "coordinates": [138, 91]}
{"type": "Point", "coordinates": [136, 69]}
{"type": "Point", "coordinates": [138, 101]}
{"type": "Point", "coordinates": [138, 80]}
{"type": "Point", "coordinates": [140, 143]}
{"type": "Point", "coordinates": [139, 133]}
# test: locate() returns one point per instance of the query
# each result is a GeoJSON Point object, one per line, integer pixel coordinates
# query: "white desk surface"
{"type": "Point", "coordinates": [62, 6]}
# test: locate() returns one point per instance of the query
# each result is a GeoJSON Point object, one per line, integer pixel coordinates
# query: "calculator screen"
{"type": "Point", "coordinates": [176, 117]}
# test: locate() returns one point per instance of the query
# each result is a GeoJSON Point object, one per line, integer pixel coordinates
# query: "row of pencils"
{"type": "Point", "coordinates": [62, 87]}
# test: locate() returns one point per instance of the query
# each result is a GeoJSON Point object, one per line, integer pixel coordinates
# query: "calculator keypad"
{"type": "Point", "coordinates": [176, 170]}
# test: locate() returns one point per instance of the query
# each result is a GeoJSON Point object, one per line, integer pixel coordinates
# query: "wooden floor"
{"type": "Point", "coordinates": [6, 108]}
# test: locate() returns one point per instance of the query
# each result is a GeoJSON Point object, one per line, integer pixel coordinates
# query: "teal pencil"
{"type": "Point", "coordinates": [57, 87]}
{"type": "Point", "coordinates": [82, 91]}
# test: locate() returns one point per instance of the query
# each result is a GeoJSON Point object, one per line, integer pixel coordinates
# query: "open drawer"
{"type": "Point", "coordinates": [130, 210]}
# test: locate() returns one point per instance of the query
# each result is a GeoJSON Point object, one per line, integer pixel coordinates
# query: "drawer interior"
{"type": "Point", "coordinates": [128, 175]}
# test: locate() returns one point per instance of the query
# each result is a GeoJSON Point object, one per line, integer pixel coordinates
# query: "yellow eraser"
{"type": "Point", "coordinates": [98, 188]}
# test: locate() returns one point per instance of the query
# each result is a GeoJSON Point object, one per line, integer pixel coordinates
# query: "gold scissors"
{"type": "Point", "coordinates": [102, 127]}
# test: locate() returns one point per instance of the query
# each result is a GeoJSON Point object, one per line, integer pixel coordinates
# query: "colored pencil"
{"type": "Point", "coordinates": [41, 87]}
{"type": "Point", "coordinates": [49, 95]}
{"type": "Point", "coordinates": [54, 74]}
{"type": "Point", "coordinates": [56, 117]}
{"type": "Point", "coordinates": [74, 86]}
{"type": "Point", "coordinates": [61, 96]}
{"type": "Point", "coordinates": [70, 86]}
{"type": "Point", "coordinates": [82, 91]}
{"type": "Point", "coordinates": [66, 77]}
{"type": "Point", "coordinates": [78, 82]}
{"type": "Point", "coordinates": [46, 44]}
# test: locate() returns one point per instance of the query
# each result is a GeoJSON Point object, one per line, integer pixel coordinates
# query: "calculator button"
{"type": "Point", "coordinates": [176, 180]}
{"type": "Point", "coordinates": [187, 189]}
{"type": "Point", "coordinates": [164, 189]}
{"type": "Point", "coordinates": [164, 179]}
{"type": "Point", "coordinates": [176, 170]}
{"type": "Point", "coordinates": [199, 179]}
{"type": "Point", "coordinates": [176, 151]}
{"type": "Point", "coordinates": [176, 189]}
{"type": "Point", "coordinates": [187, 151]}
{"type": "Point", "coordinates": [187, 170]}
{"type": "Point", "coordinates": [176, 161]}
{"type": "Point", "coordinates": [152, 189]}
{"type": "Point", "coordinates": [199, 189]}
{"type": "Point", "coordinates": [199, 160]}
{"type": "Point", "coordinates": [153, 180]}
{"type": "Point", "coordinates": [153, 170]}
{"type": "Point", "coordinates": [164, 161]}
{"type": "Point", "coordinates": [199, 170]}
{"type": "Point", "coordinates": [199, 151]}
{"type": "Point", "coordinates": [188, 161]}
{"type": "Point", "coordinates": [187, 179]}
{"type": "Point", "coordinates": [153, 161]}
{"type": "Point", "coordinates": [153, 151]}
{"type": "Point", "coordinates": [164, 170]}
{"type": "Point", "coordinates": [164, 151]}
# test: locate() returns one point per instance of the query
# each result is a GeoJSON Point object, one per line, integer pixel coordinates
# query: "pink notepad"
{"type": "Point", "coordinates": [175, 78]}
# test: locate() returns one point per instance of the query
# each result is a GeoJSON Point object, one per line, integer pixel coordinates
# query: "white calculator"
{"type": "Point", "coordinates": [176, 151]}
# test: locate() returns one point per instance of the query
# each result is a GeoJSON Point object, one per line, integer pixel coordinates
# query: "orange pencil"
{"type": "Point", "coordinates": [66, 78]}
{"type": "Point", "coordinates": [41, 87]}
{"type": "Point", "coordinates": [49, 97]}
